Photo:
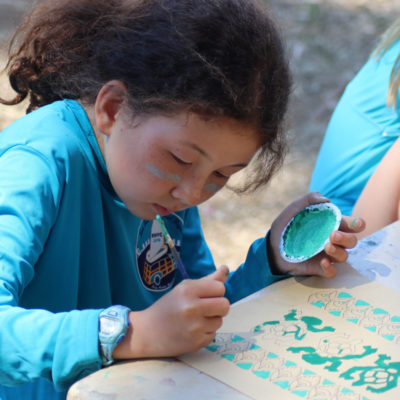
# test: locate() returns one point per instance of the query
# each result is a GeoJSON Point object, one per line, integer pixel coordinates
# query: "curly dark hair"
{"type": "Point", "coordinates": [212, 57]}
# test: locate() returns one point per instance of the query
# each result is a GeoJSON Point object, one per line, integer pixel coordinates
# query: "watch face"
{"type": "Point", "coordinates": [108, 326]}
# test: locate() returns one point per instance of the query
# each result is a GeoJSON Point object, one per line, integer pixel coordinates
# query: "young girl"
{"type": "Point", "coordinates": [363, 127]}
{"type": "Point", "coordinates": [137, 108]}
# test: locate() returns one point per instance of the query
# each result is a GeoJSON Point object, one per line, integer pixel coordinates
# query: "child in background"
{"type": "Point", "coordinates": [137, 108]}
{"type": "Point", "coordinates": [379, 202]}
{"type": "Point", "coordinates": [363, 127]}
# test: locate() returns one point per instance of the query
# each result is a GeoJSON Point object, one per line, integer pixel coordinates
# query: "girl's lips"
{"type": "Point", "coordinates": [161, 210]}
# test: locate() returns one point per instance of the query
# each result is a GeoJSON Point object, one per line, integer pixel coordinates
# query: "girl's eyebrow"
{"type": "Point", "coordinates": [198, 149]}
{"type": "Point", "coordinates": [203, 153]}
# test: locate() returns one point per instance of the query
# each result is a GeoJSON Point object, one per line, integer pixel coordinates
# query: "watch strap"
{"type": "Point", "coordinates": [113, 325]}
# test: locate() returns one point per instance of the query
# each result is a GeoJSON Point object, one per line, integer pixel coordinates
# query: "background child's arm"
{"type": "Point", "coordinates": [183, 321]}
{"type": "Point", "coordinates": [335, 250]}
{"type": "Point", "coordinates": [379, 202]}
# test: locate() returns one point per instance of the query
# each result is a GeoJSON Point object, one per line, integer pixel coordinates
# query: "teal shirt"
{"type": "Point", "coordinates": [361, 130]}
{"type": "Point", "coordinates": [70, 248]}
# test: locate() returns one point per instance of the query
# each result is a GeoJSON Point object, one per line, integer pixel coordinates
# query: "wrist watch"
{"type": "Point", "coordinates": [113, 325]}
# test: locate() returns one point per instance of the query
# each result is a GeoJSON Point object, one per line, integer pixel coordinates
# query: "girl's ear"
{"type": "Point", "coordinates": [109, 102]}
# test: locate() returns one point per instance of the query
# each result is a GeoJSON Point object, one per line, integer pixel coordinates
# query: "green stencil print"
{"type": "Point", "coordinates": [312, 322]}
{"type": "Point", "coordinates": [378, 378]}
{"type": "Point", "coordinates": [312, 357]}
{"type": "Point", "coordinates": [358, 312]}
{"type": "Point", "coordinates": [292, 316]}
{"type": "Point", "coordinates": [336, 352]}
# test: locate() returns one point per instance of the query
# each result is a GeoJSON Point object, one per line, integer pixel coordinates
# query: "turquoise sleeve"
{"type": "Point", "coordinates": [59, 346]}
{"type": "Point", "coordinates": [253, 275]}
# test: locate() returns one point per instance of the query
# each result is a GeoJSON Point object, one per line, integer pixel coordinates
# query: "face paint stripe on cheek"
{"type": "Point", "coordinates": [212, 188]}
{"type": "Point", "coordinates": [165, 176]}
{"type": "Point", "coordinates": [173, 177]}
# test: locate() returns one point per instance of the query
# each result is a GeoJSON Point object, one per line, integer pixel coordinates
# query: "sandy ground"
{"type": "Point", "coordinates": [327, 41]}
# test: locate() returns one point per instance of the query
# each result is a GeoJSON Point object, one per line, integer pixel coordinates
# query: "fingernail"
{"type": "Point", "coordinates": [354, 223]}
{"type": "Point", "coordinates": [337, 236]}
{"type": "Point", "coordinates": [323, 266]}
{"type": "Point", "coordinates": [226, 269]}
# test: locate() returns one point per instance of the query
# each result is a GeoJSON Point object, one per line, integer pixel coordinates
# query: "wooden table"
{"type": "Point", "coordinates": [376, 257]}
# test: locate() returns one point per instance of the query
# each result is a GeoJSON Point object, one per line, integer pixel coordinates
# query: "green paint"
{"type": "Point", "coordinates": [308, 372]}
{"type": "Point", "coordinates": [213, 348]}
{"type": "Point", "coordinates": [259, 328]}
{"type": "Point", "coordinates": [237, 339]}
{"type": "Point", "coordinates": [283, 384]}
{"type": "Point", "coordinates": [290, 363]}
{"type": "Point", "coordinates": [336, 313]}
{"type": "Point", "coordinates": [229, 357]}
{"type": "Point", "coordinates": [360, 303]}
{"type": "Point", "coordinates": [262, 374]}
{"type": "Point", "coordinates": [301, 393]}
{"type": "Point", "coordinates": [291, 316]}
{"type": "Point", "coordinates": [308, 232]}
{"type": "Point", "coordinates": [296, 333]}
{"type": "Point", "coordinates": [312, 357]}
{"type": "Point", "coordinates": [319, 304]}
{"type": "Point", "coordinates": [395, 318]}
{"type": "Point", "coordinates": [377, 311]}
{"type": "Point", "coordinates": [311, 323]}
{"type": "Point", "coordinates": [244, 365]}
{"type": "Point", "coordinates": [344, 295]}
{"type": "Point", "coordinates": [346, 391]}
{"type": "Point", "coordinates": [378, 378]}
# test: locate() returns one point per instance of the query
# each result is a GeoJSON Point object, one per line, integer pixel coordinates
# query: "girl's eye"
{"type": "Point", "coordinates": [219, 175]}
{"type": "Point", "coordinates": [180, 161]}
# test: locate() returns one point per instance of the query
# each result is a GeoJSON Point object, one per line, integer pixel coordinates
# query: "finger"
{"type": "Point", "coordinates": [214, 307]}
{"type": "Point", "coordinates": [337, 253]}
{"type": "Point", "coordinates": [221, 274]}
{"type": "Point", "coordinates": [352, 224]}
{"type": "Point", "coordinates": [208, 338]}
{"type": "Point", "coordinates": [343, 239]}
{"type": "Point", "coordinates": [213, 324]}
{"type": "Point", "coordinates": [316, 197]}
{"type": "Point", "coordinates": [328, 270]}
{"type": "Point", "coordinates": [208, 287]}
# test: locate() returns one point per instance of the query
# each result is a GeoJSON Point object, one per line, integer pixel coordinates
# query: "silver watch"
{"type": "Point", "coordinates": [113, 325]}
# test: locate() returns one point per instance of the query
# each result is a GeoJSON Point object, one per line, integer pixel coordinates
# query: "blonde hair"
{"type": "Point", "coordinates": [387, 41]}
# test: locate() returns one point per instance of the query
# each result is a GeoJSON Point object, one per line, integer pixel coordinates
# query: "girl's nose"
{"type": "Point", "coordinates": [189, 191]}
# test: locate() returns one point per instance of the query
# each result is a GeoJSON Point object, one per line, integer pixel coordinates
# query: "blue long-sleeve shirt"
{"type": "Point", "coordinates": [70, 248]}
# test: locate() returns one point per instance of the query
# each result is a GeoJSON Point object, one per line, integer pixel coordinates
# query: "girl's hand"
{"type": "Point", "coordinates": [335, 250]}
{"type": "Point", "coordinates": [183, 321]}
